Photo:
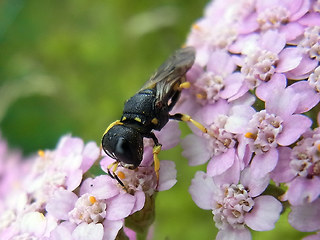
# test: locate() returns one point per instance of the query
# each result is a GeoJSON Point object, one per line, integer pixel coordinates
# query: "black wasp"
{"type": "Point", "coordinates": [148, 110]}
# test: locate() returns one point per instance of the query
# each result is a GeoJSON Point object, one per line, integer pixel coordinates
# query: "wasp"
{"type": "Point", "coordinates": [148, 110]}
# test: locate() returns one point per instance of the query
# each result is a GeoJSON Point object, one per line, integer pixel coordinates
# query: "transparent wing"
{"type": "Point", "coordinates": [170, 73]}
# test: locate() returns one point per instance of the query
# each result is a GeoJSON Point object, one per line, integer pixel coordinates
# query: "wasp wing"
{"type": "Point", "coordinates": [170, 73]}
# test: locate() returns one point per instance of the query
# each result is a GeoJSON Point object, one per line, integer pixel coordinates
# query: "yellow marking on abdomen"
{"type": "Point", "coordinates": [155, 121]}
{"type": "Point", "coordinates": [138, 119]}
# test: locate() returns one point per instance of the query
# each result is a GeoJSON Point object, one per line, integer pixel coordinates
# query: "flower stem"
{"type": "Point", "coordinates": [142, 235]}
{"type": "Point", "coordinates": [142, 220]}
{"type": "Point", "coordinates": [121, 235]}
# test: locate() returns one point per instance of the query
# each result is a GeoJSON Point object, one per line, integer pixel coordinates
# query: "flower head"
{"type": "Point", "coordinates": [270, 49]}
{"type": "Point", "coordinates": [299, 168]}
{"type": "Point", "coordinates": [48, 172]}
{"type": "Point", "coordinates": [234, 206]}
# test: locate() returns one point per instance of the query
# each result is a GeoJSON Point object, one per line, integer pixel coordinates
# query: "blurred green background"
{"type": "Point", "coordinates": [68, 67]}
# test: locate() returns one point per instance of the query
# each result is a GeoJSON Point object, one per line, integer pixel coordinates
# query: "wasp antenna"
{"type": "Point", "coordinates": [110, 173]}
{"type": "Point", "coordinates": [112, 168]}
{"type": "Point", "coordinates": [119, 181]}
{"type": "Point", "coordinates": [117, 122]}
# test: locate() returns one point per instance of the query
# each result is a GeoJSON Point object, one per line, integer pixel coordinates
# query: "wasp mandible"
{"type": "Point", "coordinates": [148, 110]}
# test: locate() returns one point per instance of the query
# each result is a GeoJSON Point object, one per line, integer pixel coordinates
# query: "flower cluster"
{"type": "Point", "coordinates": [255, 87]}
{"type": "Point", "coordinates": [51, 196]}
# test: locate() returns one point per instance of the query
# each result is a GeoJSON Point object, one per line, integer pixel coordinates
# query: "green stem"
{"type": "Point", "coordinates": [142, 235]}
{"type": "Point", "coordinates": [121, 235]}
{"type": "Point", "coordinates": [141, 221]}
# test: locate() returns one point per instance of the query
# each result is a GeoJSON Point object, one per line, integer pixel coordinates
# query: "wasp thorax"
{"type": "Point", "coordinates": [124, 144]}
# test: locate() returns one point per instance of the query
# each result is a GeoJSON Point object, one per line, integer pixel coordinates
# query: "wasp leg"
{"type": "Point", "coordinates": [185, 85]}
{"type": "Point", "coordinates": [113, 167]}
{"type": "Point", "coordinates": [156, 150]}
{"type": "Point", "coordinates": [187, 118]}
{"type": "Point", "coordinates": [176, 95]}
{"type": "Point", "coordinates": [174, 100]}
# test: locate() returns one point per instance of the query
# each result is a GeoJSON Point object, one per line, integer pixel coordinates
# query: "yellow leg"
{"type": "Point", "coordinates": [156, 151]}
{"type": "Point", "coordinates": [187, 118]}
{"type": "Point", "coordinates": [184, 85]}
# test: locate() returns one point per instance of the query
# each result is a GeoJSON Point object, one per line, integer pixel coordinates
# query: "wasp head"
{"type": "Point", "coordinates": [125, 144]}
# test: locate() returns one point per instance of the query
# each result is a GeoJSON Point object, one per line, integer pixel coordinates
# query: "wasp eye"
{"type": "Point", "coordinates": [122, 150]}
{"type": "Point", "coordinates": [127, 152]}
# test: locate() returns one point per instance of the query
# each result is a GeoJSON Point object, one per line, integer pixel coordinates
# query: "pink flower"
{"type": "Point", "coordinates": [305, 217]}
{"type": "Point", "coordinates": [52, 170]}
{"type": "Point", "coordinates": [298, 167]}
{"type": "Point", "coordinates": [234, 206]}
{"type": "Point", "coordinates": [276, 125]}
{"type": "Point", "coordinates": [143, 179]}
{"type": "Point", "coordinates": [219, 28]}
{"type": "Point", "coordinates": [12, 169]}
{"type": "Point", "coordinates": [271, 43]}
{"type": "Point", "coordinates": [254, 86]}
{"type": "Point", "coordinates": [313, 237]}
{"type": "Point", "coordinates": [100, 205]}
{"type": "Point", "coordinates": [223, 143]}
{"type": "Point", "coordinates": [169, 137]}
{"type": "Point", "coordinates": [218, 80]}
{"type": "Point", "coordinates": [276, 14]}
{"type": "Point", "coordinates": [266, 54]}
{"type": "Point", "coordinates": [314, 79]}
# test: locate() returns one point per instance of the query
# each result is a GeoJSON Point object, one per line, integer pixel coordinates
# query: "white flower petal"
{"type": "Point", "coordinates": [61, 203]}
{"type": "Point", "coordinates": [120, 206]}
{"type": "Point", "coordinates": [265, 213]}
{"type": "Point", "coordinates": [86, 231]}
{"type": "Point", "coordinates": [203, 190]}
{"type": "Point", "coordinates": [234, 234]}
{"type": "Point", "coordinates": [33, 222]}
{"type": "Point", "coordinates": [195, 150]}
{"type": "Point", "coordinates": [167, 175]}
